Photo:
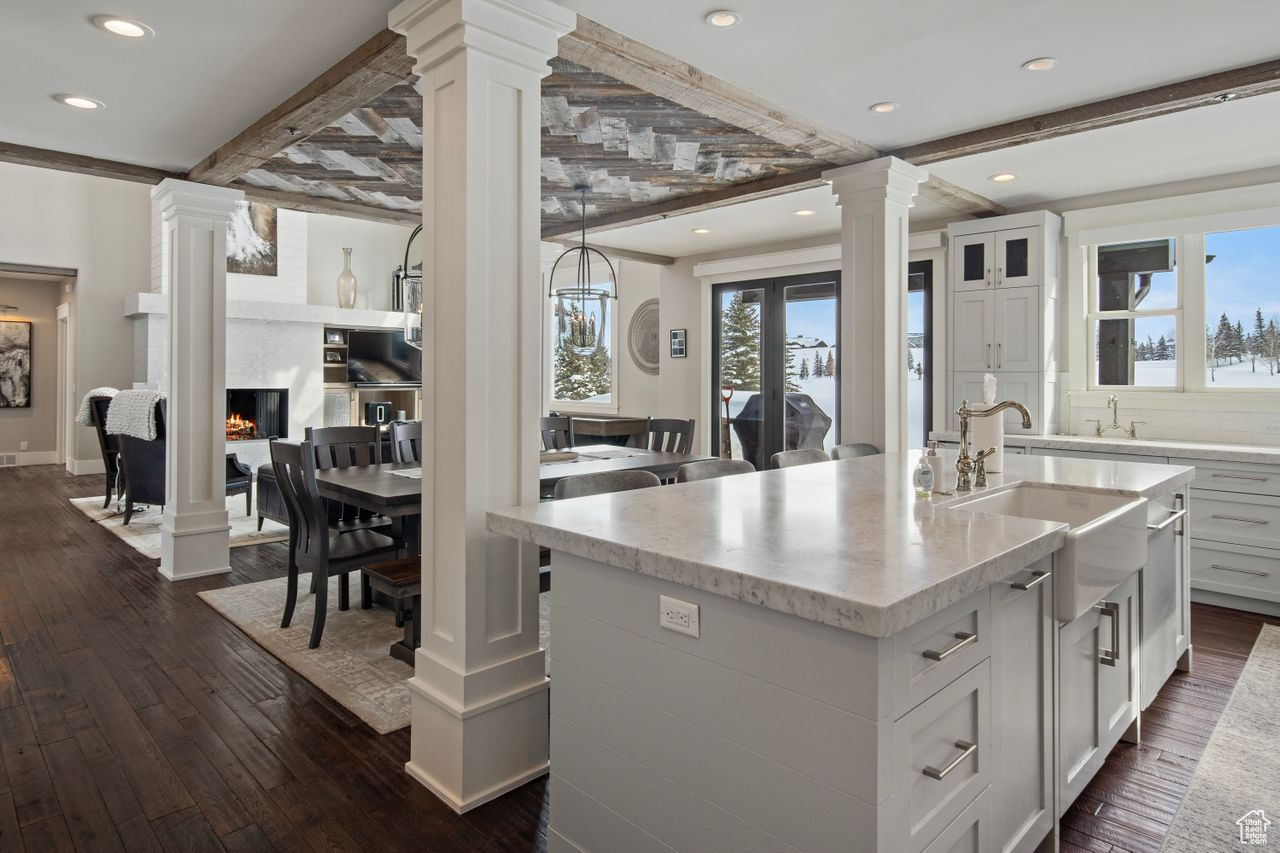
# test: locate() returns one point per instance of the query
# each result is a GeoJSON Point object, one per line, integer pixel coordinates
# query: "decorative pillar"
{"type": "Point", "coordinates": [874, 199]}
{"type": "Point", "coordinates": [194, 530]}
{"type": "Point", "coordinates": [479, 692]}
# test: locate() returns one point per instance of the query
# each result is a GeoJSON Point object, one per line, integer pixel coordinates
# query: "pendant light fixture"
{"type": "Point", "coordinates": [582, 308]}
{"type": "Point", "coordinates": [411, 297]}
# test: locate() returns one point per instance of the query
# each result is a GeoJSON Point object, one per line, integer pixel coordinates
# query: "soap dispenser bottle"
{"type": "Point", "coordinates": [922, 479]}
{"type": "Point", "coordinates": [935, 462]}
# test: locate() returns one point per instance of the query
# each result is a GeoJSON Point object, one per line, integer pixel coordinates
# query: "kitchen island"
{"type": "Point", "coordinates": [812, 659]}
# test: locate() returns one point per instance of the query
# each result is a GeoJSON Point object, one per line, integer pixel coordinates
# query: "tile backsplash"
{"type": "Point", "coordinates": [1212, 425]}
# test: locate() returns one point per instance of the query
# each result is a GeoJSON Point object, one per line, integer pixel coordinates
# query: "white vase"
{"type": "Point", "coordinates": [347, 283]}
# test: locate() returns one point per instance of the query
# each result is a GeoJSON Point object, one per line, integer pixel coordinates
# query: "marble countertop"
{"type": "Point", "coordinates": [841, 543]}
{"type": "Point", "coordinates": [1202, 451]}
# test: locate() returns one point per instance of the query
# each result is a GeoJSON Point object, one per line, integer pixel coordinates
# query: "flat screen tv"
{"type": "Point", "coordinates": [382, 358]}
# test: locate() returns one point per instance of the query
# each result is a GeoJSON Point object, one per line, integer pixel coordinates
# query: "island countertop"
{"type": "Point", "coordinates": [843, 543]}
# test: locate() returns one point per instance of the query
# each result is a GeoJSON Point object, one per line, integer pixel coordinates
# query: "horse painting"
{"type": "Point", "coordinates": [15, 365]}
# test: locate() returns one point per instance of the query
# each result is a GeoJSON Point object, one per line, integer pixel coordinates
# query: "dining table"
{"type": "Point", "coordinates": [600, 458]}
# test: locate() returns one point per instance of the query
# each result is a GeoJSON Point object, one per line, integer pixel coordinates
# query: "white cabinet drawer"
{"type": "Point", "coordinates": [1236, 570]}
{"type": "Point", "coordinates": [1240, 477]}
{"type": "Point", "coordinates": [971, 832]}
{"type": "Point", "coordinates": [933, 652]}
{"type": "Point", "coordinates": [939, 761]}
{"type": "Point", "coordinates": [1236, 518]}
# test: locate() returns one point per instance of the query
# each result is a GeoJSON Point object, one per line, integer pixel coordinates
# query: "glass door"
{"type": "Point", "coordinates": [774, 355]}
{"type": "Point", "coordinates": [919, 352]}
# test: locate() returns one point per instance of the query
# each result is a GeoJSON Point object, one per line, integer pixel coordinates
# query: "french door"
{"type": "Point", "coordinates": [774, 364]}
{"type": "Point", "coordinates": [919, 352]}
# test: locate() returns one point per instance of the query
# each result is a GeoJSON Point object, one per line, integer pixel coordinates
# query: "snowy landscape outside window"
{"type": "Point", "coordinates": [1242, 309]}
{"type": "Point", "coordinates": [1134, 315]}
{"type": "Point", "coordinates": [577, 378]}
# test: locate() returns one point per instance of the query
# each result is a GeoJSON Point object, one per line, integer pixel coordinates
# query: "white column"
{"type": "Point", "coordinates": [194, 531]}
{"type": "Point", "coordinates": [479, 691]}
{"type": "Point", "coordinates": [874, 199]}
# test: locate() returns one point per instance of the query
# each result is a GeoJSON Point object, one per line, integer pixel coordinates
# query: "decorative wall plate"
{"type": "Point", "coordinates": [642, 336]}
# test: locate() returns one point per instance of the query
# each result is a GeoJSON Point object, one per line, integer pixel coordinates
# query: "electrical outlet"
{"type": "Point", "coordinates": [1272, 426]}
{"type": "Point", "coordinates": [22, 445]}
{"type": "Point", "coordinates": [679, 616]}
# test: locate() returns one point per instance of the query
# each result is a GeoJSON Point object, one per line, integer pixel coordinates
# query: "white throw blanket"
{"type": "Point", "coordinates": [134, 413]}
{"type": "Point", "coordinates": [85, 416]}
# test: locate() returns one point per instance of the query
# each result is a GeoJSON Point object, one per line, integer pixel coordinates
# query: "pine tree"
{"type": "Point", "coordinates": [911, 360]}
{"type": "Point", "coordinates": [830, 368]}
{"type": "Point", "coordinates": [1224, 340]}
{"type": "Point", "coordinates": [740, 345]}
{"type": "Point", "coordinates": [1273, 346]}
{"type": "Point", "coordinates": [817, 366]}
{"type": "Point", "coordinates": [1257, 341]}
{"type": "Point", "coordinates": [1161, 351]}
{"type": "Point", "coordinates": [578, 376]}
{"type": "Point", "coordinates": [1238, 342]}
{"type": "Point", "coordinates": [789, 369]}
{"type": "Point", "coordinates": [1211, 352]}
{"type": "Point", "coordinates": [804, 369]}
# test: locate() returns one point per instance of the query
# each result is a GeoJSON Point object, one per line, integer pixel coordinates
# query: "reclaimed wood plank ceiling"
{"type": "Point", "coordinates": [628, 147]}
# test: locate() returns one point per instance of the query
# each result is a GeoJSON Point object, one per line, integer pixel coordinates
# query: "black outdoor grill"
{"type": "Point", "coordinates": [806, 425]}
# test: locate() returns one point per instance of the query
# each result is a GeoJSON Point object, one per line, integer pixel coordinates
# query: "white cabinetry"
{"type": "Point", "coordinates": [1003, 320]}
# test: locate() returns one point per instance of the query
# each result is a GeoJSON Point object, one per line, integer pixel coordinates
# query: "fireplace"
{"type": "Point", "coordinates": [257, 413]}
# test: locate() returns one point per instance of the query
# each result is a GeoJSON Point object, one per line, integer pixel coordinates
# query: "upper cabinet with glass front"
{"type": "Point", "coordinates": [989, 258]}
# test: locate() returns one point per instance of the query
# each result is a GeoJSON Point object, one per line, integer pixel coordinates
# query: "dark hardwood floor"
{"type": "Point", "coordinates": [133, 717]}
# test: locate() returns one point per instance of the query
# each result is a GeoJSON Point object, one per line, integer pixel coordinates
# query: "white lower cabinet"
{"type": "Point", "coordinates": [1165, 587]}
{"type": "Point", "coordinates": [1097, 687]}
{"type": "Point", "coordinates": [971, 832]}
{"type": "Point", "coordinates": [1022, 709]}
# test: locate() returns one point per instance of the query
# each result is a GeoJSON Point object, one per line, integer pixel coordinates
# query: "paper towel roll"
{"type": "Point", "coordinates": [989, 432]}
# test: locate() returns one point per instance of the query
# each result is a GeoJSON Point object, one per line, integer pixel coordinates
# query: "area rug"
{"type": "Point", "coordinates": [1235, 793]}
{"type": "Point", "coordinates": [352, 665]}
{"type": "Point", "coordinates": [143, 532]}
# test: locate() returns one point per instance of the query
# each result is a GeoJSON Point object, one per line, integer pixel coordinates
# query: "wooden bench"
{"type": "Point", "coordinates": [400, 581]}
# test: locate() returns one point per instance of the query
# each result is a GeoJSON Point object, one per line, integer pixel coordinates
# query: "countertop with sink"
{"type": "Point", "coordinates": [845, 544]}
{"type": "Point", "coordinates": [1115, 443]}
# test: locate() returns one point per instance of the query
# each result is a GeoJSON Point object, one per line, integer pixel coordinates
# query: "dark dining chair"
{"type": "Point", "coordinates": [109, 445]}
{"type": "Point", "coordinates": [803, 456]}
{"type": "Point", "coordinates": [344, 446]}
{"type": "Point", "coordinates": [710, 469]}
{"type": "Point", "coordinates": [143, 463]}
{"type": "Point", "coordinates": [313, 546]}
{"type": "Point", "coordinates": [853, 451]}
{"type": "Point", "coordinates": [406, 441]}
{"type": "Point", "coordinates": [557, 432]}
{"type": "Point", "coordinates": [582, 485]}
{"type": "Point", "coordinates": [670, 435]}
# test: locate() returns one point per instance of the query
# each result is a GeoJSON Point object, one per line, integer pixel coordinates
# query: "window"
{"type": "Point", "coordinates": [1242, 308]}
{"type": "Point", "coordinates": [1134, 315]}
{"type": "Point", "coordinates": [584, 380]}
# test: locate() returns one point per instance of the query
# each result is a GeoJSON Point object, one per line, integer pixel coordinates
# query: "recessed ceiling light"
{"type": "Point", "coordinates": [123, 27]}
{"type": "Point", "coordinates": [804, 212]}
{"type": "Point", "coordinates": [701, 230]}
{"type": "Point", "coordinates": [723, 18]}
{"type": "Point", "coordinates": [1003, 177]}
{"type": "Point", "coordinates": [1042, 63]}
{"type": "Point", "coordinates": [883, 107]}
{"type": "Point", "coordinates": [80, 102]}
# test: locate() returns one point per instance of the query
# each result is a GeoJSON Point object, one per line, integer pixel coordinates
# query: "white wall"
{"type": "Point", "coordinates": [37, 302]}
{"type": "Point", "coordinates": [638, 392]}
{"type": "Point", "coordinates": [101, 228]}
{"type": "Point", "coordinates": [377, 249]}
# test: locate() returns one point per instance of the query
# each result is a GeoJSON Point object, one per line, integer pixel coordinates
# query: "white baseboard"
{"type": "Point", "coordinates": [81, 467]}
{"type": "Point", "coordinates": [34, 457]}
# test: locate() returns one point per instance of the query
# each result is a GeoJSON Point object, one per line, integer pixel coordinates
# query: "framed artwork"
{"type": "Point", "coordinates": [678, 348]}
{"type": "Point", "coordinates": [333, 336]}
{"type": "Point", "coordinates": [252, 239]}
{"type": "Point", "coordinates": [15, 364]}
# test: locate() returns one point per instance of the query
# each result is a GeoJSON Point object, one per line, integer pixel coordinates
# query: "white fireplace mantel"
{"type": "Point", "coordinates": [141, 304]}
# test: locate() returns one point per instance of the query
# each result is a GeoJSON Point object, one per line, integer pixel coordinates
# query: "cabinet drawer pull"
{"type": "Point", "coordinates": [1000, 354]}
{"type": "Point", "coordinates": [1239, 477]}
{"type": "Point", "coordinates": [1173, 516]}
{"type": "Point", "coordinates": [1240, 518]}
{"type": "Point", "coordinates": [963, 638]}
{"type": "Point", "coordinates": [1109, 657]}
{"type": "Point", "coordinates": [1037, 578]}
{"type": "Point", "coordinates": [988, 276]}
{"type": "Point", "coordinates": [1253, 572]}
{"type": "Point", "coordinates": [966, 749]}
{"type": "Point", "coordinates": [988, 356]}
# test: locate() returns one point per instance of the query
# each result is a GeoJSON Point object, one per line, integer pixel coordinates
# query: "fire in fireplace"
{"type": "Point", "coordinates": [254, 413]}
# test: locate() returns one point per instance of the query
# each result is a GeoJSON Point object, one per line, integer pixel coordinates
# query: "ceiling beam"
{"type": "Point", "coordinates": [605, 51]}
{"type": "Point", "coordinates": [1206, 91]}
{"type": "Point", "coordinates": [623, 254]}
{"type": "Point", "coordinates": [331, 206]}
{"type": "Point", "coordinates": [362, 75]}
{"type": "Point", "coordinates": [61, 161]}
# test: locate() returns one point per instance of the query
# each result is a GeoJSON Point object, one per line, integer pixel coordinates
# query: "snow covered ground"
{"type": "Point", "coordinates": [1239, 375]}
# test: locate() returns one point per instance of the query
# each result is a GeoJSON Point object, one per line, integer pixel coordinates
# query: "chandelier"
{"type": "Point", "coordinates": [411, 297]}
{"type": "Point", "coordinates": [582, 308]}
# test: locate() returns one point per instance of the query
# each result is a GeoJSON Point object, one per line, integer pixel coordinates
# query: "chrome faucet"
{"type": "Point", "coordinates": [1113, 403]}
{"type": "Point", "coordinates": [966, 464]}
